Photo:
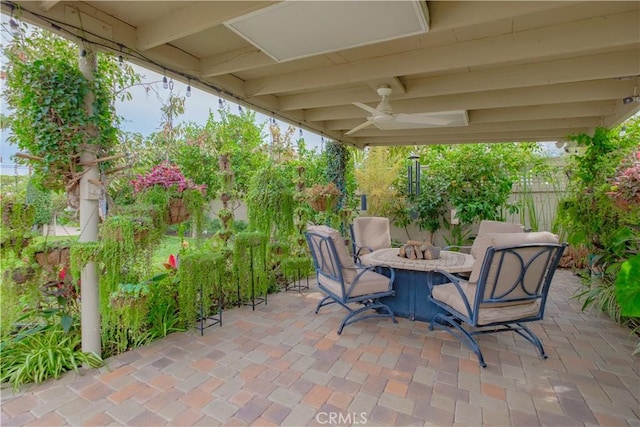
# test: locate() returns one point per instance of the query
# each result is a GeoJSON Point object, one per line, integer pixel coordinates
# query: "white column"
{"type": "Point", "coordinates": [89, 218]}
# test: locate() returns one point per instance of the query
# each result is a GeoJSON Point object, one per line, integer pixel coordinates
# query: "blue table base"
{"type": "Point", "coordinates": [411, 295]}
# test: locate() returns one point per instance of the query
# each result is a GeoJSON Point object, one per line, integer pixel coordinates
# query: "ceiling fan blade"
{"type": "Point", "coordinates": [426, 119]}
{"type": "Point", "coordinates": [367, 108]}
{"type": "Point", "coordinates": [361, 126]}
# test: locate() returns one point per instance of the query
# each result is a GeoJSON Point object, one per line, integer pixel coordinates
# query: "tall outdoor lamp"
{"type": "Point", "coordinates": [413, 175]}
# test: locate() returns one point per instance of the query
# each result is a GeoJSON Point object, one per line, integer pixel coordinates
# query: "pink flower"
{"type": "Point", "coordinates": [171, 263]}
{"type": "Point", "coordinates": [165, 175]}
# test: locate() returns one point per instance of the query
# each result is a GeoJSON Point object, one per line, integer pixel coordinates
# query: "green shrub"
{"type": "Point", "coordinates": [42, 353]}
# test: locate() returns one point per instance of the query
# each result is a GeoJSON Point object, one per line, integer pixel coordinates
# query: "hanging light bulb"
{"type": "Point", "coordinates": [15, 28]}
{"type": "Point", "coordinates": [165, 82]}
{"type": "Point", "coordinates": [13, 25]}
{"type": "Point", "coordinates": [301, 135]}
{"type": "Point", "coordinates": [220, 103]}
{"type": "Point", "coordinates": [189, 89]}
{"type": "Point", "coordinates": [240, 109]}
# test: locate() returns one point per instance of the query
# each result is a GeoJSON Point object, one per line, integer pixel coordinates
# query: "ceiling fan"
{"type": "Point", "coordinates": [384, 118]}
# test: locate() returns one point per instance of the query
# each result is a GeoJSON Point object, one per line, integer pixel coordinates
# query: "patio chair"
{"type": "Point", "coordinates": [479, 246]}
{"type": "Point", "coordinates": [369, 233]}
{"type": "Point", "coordinates": [343, 282]}
{"type": "Point", "coordinates": [507, 288]}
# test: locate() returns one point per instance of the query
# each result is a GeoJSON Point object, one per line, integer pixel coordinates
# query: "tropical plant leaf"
{"type": "Point", "coordinates": [628, 287]}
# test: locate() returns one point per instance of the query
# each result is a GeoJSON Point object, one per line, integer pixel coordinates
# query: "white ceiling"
{"type": "Point", "coordinates": [523, 71]}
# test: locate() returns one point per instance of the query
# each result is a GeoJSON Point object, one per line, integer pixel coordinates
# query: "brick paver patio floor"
{"type": "Point", "coordinates": [285, 365]}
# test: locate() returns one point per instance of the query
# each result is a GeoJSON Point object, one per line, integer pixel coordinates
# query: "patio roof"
{"type": "Point", "coordinates": [520, 71]}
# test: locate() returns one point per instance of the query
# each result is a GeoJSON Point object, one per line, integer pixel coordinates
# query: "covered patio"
{"type": "Point", "coordinates": [285, 365]}
{"type": "Point", "coordinates": [473, 72]}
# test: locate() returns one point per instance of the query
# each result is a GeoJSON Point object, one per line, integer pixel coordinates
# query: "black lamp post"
{"type": "Point", "coordinates": [413, 175]}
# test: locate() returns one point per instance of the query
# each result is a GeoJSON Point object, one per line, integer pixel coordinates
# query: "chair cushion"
{"type": "Point", "coordinates": [369, 283]}
{"type": "Point", "coordinates": [507, 239]}
{"type": "Point", "coordinates": [348, 266]}
{"type": "Point", "coordinates": [483, 241]}
{"type": "Point", "coordinates": [372, 232]}
{"type": "Point", "coordinates": [448, 294]}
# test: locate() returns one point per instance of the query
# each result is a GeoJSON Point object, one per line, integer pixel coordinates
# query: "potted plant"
{"type": "Point", "coordinates": [323, 197]}
{"type": "Point", "coordinates": [166, 188]}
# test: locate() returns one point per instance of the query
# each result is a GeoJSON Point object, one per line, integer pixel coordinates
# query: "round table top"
{"type": "Point", "coordinates": [452, 262]}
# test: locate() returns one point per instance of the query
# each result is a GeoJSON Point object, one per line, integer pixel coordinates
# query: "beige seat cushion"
{"type": "Point", "coordinates": [348, 266]}
{"type": "Point", "coordinates": [372, 232]}
{"type": "Point", "coordinates": [369, 283]}
{"type": "Point", "coordinates": [448, 294]}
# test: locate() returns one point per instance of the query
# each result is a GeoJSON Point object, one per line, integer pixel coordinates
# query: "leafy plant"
{"type": "Point", "coordinates": [200, 268]}
{"type": "Point", "coordinates": [271, 203]}
{"type": "Point", "coordinates": [17, 220]}
{"type": "Point", "coordinates": [163, 185]}
{"type": "Point", "coordinates": [47, 91]}
{"type": "Point", "coordinates": [609, 234]}
{"type": "Point", "coordinates": [250, 263]}
{"type": "Point", "coordinates": [130, 307]}
{"type": "Point", "coordinates": [323, 197]}
{"type": "Point", "coordinates": [376, 176]}
{"type": "Point", "coordinates": [35, 355]}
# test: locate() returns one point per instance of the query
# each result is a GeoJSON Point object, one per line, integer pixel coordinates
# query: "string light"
{"type": "Point", "coordinates": [301, 135]}
{"type": "Point", "coordinates": [220, 103]}
{"type": "Point", "coordinates": [165, 82]}
{"type": "Point", "coordinates": [189, 89]}
{"type": "Point", "coordinates": [240, 109]}
{"type": "Point", "coordinates": [13, 24]}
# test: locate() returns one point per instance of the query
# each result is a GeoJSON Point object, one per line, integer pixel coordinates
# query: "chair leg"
{"type": "Point", "coordinates": [374, 305]}
{"type": "Point", "coordinates": [448, 323]}
{"type": "Point", "coordinates": [528, 334]}
{"type": "Point", "coordinates": [324, 302]}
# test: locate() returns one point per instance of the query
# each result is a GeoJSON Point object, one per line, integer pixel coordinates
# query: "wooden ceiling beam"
{"type": "Point", "coordinates": [525, 125]}
{"type": "Point", "coordinates": [192, 19]}
{"type": "Point", "coordinates": [501, 115]}
{"type": "Point", "coordinates": [575, 39]}
{"type": "Point", "coordinates": [234, 61]}
{"type": "Point", "coordinates": [587, 91]}
{"type": "Point", "coordinates": [601, 66]}
{"type": "Point", "coordinates": [457, 138]}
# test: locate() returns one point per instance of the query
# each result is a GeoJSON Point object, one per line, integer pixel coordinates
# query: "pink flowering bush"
{"type": "Point", "coordinates": [172, 194]}
{"type": "Point", "coordinates": [167, 176]}
{"type": "Point", "coordinates": [626, 185]}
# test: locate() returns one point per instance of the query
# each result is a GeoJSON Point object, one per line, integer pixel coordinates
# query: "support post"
{"type": "Point", "coordinates": [89, 218]}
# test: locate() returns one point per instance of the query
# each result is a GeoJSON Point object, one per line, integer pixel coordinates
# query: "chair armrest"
{"type": "Point", "coordinates": [360, 248]}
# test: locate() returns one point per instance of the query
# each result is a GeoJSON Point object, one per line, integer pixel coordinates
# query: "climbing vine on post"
{"type": "Point", "coordinates": [45, 90]}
